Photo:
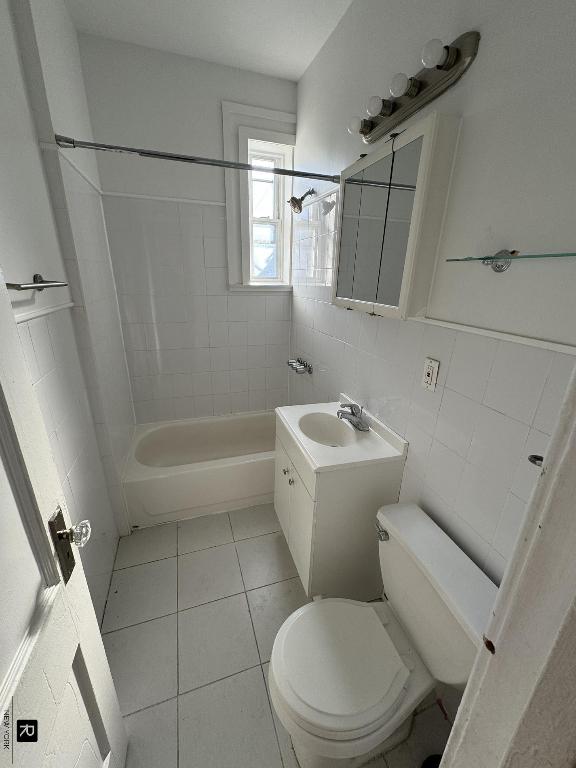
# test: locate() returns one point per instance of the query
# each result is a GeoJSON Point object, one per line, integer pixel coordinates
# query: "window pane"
{"type": "Point", "coordinates": [262, 163]}
{"type": "Point", "coordinates": [264, 253]}
{"type": "Point", "coordinates": [263, 199]}
{"type": "Point", "coordinates": [264, 233]}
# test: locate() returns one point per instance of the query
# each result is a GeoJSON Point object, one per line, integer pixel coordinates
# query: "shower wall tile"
{"type": "Point", "coordinates": [193, 347]}
{"type": "Point", "coordinates": [496, 401]}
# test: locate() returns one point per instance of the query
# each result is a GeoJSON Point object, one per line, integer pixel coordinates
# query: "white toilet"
{"type": "Point", "coordinates": [345, 676]}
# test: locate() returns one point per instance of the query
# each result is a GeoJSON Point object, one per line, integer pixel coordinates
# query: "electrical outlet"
{"type": "Point", "coordinates": [430, 374]}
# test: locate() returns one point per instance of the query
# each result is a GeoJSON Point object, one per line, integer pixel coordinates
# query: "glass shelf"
{"type": "Point", "coordinates": [516, 256]}
{"type": "Point", "coordinates": [501, 261]}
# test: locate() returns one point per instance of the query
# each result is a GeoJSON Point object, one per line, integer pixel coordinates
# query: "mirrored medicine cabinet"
{"type": "Point", "coordinates": [391, 207]}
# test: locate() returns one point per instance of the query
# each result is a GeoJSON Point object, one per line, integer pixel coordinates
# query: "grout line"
{"type": "Point", "coordinates": [147, 562]}
{"type": "Point", "coordinates": [248, 604]}
{"type": "Point", "coordinates": [219, 680]}
{"type": "Point", "coordinates": [272, 712]}
{"type": "Point", "coordinates": [101, 624]}
{"type": "Point", "coordinates": [149, 706]}
{"type": "Point", "coordinates": [139, 623]}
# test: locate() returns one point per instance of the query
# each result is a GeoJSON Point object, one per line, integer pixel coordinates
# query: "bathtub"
{"type": "Point", "coordinates": [183, 469]}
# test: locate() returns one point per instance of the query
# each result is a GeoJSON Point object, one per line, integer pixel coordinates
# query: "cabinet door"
{"type": "Point", "coordinates": [301, 521]}
{"type": "Point", "coordinates": [282, 473]}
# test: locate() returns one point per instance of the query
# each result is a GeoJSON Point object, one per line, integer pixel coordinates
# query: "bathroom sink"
{"type": "Point", "coordinates": [313, 433]}
{"type": "Point", "coordinates": [326, 429]}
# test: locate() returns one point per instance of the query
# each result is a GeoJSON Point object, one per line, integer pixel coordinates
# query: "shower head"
{"type": "Point", "coordinates": [296, 202]}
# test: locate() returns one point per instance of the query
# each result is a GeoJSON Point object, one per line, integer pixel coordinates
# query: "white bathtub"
{"type": "Point", "coordinates": [183, 469]}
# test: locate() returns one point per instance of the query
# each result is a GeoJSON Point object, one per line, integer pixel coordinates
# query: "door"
{"type": "Point", "coordinates": [59, 705]}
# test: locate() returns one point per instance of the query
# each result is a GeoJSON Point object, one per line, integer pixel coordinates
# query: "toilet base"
{"type": "Point", "coordinates": [307, 759]}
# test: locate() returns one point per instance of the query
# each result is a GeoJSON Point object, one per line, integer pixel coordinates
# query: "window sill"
{"type": "Point", "coordinates": [262, 287]}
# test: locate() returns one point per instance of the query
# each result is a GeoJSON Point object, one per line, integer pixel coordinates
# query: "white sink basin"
{"type": "Point", "coordinates": [326, 429]}
{"type": "Point", "coordinates": [328, 442]}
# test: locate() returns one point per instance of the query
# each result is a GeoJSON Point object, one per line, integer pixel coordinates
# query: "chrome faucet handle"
{"type": "Point", "coordinates": [355, 410]}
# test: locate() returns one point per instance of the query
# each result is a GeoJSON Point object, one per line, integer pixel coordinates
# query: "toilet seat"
{"type": "Point", "coordinates": [337, 670]}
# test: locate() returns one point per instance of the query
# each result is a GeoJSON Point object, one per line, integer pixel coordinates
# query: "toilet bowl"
{"type": "Point", "coordinates": [346, 677]}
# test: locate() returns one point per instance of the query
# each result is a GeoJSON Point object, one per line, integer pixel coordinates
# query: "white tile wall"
{"type": "Point", "coordinates": [57, 377]}
{"type": "Point", "coordinates": [496, 401]}
{"type": "Point", "coordinates": [96, 318]}
{"type": "Point", "coordinates": [194, 348]}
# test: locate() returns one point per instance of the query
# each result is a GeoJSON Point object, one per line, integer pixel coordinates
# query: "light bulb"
{"type": "Point", "coordinates": [399, 85]}
{"type": "Point", "coordinates": [355, 125]}
{"type": "Point", "coordinates": [378, 107]}
{"type": "Point", "coordinates": [434, 54]}
{"type": "Point", "coordinates": [402, 85]}
{"type": "Point", "coordinates": [374, 106]}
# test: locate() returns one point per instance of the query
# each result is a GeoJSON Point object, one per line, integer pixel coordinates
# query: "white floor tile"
{"type": "Point", "coordinates": [286, 749]}
{"type": "Point", "coordinates": [428, 737]}
{"type": "Point", "coordinates": [270, 606]}
{"type": "Point", "coordinates": [265, 560]}
{"type": "Point", "coordinates": [153, 737]}
{"type": "Point", "coordinates": [254, 521]}
{"type": "Point", "coordinates": [147, 545]}
{"type": "Point", "coordinates": [203, 532]}
{"type": "Point", "coordinates": [214, 641]}
{"type": "Point", "coordinates": [143, 663]}
{"type": "Point", "coordinates": [208, 575]}
{"type": "Point", "coordinates": [141, 593]}
{"type": "Point", "coordinates": [228, 725]}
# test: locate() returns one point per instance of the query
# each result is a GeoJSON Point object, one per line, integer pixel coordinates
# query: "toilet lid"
{"type": "Point", "coordinates": [337, 669]}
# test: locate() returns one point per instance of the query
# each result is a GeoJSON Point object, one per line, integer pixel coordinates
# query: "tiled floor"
{"type": "Point", "coordinates": [189, 625]}
{"type": "Point", "coordinates": [191, 617]}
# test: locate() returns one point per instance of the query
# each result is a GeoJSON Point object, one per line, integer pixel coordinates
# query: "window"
{"type": "Point", "coordinates": [258, 220]}
{"type": "Point", "coordinates": [269, 218]}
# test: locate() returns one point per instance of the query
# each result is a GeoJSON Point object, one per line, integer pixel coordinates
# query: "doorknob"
{"type": "Point", "coordinates": [79, 534]}
{"type": "Point", "coordinates": [63, 538]}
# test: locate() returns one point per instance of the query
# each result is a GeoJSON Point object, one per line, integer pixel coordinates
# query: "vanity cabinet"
{"type": "Point", "coordinates": [328, 515]}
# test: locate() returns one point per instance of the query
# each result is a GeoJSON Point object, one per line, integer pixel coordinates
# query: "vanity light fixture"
{"type": "Point", "coordinates": [402, 85]}
{"type": "Point", "coordinates": [443, 65]}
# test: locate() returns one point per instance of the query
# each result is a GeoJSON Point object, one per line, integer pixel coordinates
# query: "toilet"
{"type": "Point", "coordinates": [346, 676]}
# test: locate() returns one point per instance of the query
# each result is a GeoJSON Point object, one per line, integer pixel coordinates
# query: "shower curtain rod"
{"type": "Point", "coordinates": [68, 143]}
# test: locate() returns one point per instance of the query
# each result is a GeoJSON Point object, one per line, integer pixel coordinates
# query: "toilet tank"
{"type": "Point", "coordinates": [441, 598]}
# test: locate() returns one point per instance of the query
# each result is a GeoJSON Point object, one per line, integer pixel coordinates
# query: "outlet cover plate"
{"type": "Point", "coordinates": [430, 375]}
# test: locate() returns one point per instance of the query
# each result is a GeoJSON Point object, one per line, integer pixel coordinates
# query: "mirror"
{"type": "Point", "coordinates": [376, 215]}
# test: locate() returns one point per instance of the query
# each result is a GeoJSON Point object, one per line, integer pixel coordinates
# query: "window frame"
{"type": "Point", "coordinates": [280, 147]}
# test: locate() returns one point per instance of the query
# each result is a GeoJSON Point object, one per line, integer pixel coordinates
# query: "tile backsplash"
{"type": "Point", "coordinates": [495, 402]}
{"type": "Point", "coordinates": [194, 347]}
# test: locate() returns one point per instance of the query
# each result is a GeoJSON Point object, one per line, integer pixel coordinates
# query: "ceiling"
{"type": "Point", "coordinates": [275, 37]}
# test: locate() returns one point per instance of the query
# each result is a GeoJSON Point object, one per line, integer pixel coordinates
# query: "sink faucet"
{"type": "Point", "coordinates": [354, 416]}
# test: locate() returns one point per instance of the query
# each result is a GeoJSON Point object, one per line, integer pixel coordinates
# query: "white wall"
{"type": "Point", "coordinates": [513, 184]}
{"type": "Point", "coordinates": [194, 347]}
{"type": "Point", "coordinates": [146, 98]}
{"type": "Point", "coordinates": [496, 402]}
{"type": "Point", "coordinates": [27, 231]}
{"type": "Point", "coordinates": [48, 341]}
{"type": "Point", "coordinates": [56, 89]}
